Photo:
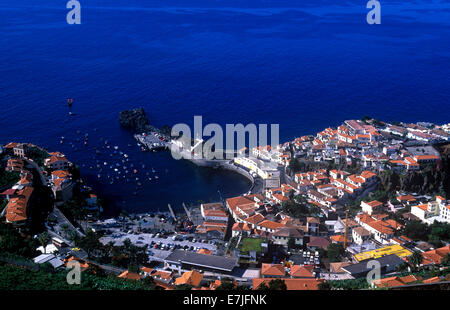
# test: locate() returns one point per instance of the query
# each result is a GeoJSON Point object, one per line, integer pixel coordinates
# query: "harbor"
{"type": "Point", "coordinates": [152, 141]}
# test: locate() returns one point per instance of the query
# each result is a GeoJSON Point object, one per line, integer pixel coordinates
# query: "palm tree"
{"type": "Point", "coordinates": [44, 239]}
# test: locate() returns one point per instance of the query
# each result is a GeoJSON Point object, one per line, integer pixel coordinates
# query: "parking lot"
{"type": "Point", "coordinates": [157, 242]}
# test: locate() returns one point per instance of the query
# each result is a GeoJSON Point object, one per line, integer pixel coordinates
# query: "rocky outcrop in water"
{"type": "Point", "coordinates": [135, 119]}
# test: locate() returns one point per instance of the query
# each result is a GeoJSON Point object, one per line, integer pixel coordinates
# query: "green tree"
{"type": "Point", "coordinates": [90, 243]}
{"type": "Point", "coordinates": [44, 239]}
{"type": "Point", "coordinates": [334, 252]}
{"type": "Point", "coordinates": [415, 259]}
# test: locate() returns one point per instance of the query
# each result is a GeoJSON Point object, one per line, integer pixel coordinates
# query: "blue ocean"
{"type": "Point", "coordinates": [305, 65]}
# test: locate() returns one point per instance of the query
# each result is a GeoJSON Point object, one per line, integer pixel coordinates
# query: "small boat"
{"type": "Point", "coordinates": [116, 147]}
{"type": "Point", "coordinates": [156, 177]}
{"type": "Point", "coordinates": [69, 102]}
{"type": "Point", "coordinates": [71, 113]}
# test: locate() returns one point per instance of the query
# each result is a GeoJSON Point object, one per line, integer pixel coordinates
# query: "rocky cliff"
{"type": "Point", "coordinates": [135, 119]}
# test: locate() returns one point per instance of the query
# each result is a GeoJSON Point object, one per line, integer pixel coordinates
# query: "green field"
{"type": "Point", "coordinates": [250, 244]}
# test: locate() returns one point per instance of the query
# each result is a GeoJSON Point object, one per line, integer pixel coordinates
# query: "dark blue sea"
{"type": "Point", "coordinates": [303, 64]}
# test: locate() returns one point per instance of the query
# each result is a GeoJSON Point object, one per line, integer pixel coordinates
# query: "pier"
{"type": "Point", "coordinates": [151, 141]}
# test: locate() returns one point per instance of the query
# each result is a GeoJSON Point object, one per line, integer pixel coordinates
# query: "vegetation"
{"type": "Point", "coordinates": [334, 252]}
{"type": "Point", "coordinates": [250, 244]}
{"type": "Point", "coordinates": [353, 284]}
{"type": "Point", "coordinates": [37, 155]}
{"type": "Point", "coordinates": [12, 242]}
{"type": "Point", "coordinates": [436, 233]}
{"type": "Point", "coordinates": [273, 285]}
{"type": "Point", "coordinates": [298, 208]}
{"type": "Point", "coordinates": [430, 180]}
{"type": "Point", "coordinates": [8, 178]}
{"type": "Point", "coordinates": [415, 259]}
{"type": "Point", "coordinates": [18, 278]}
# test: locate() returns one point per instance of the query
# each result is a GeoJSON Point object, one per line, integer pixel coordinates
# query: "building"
{"type": "Point", "coordinates": [360, 235]}
{"type": "Point", "coordinates": [282, 236]}
{"type": "Point", "coordinates": [57, 161]}
{"type": "Point", "coordinates": [395, 249]}
{"type": "Point", "coordinates": [371, 207]}
{"type": "Point", "coordinates": [192, 278]}
{"type": "Point", "coordinates": [214, 212]}
{"type": "Point", "coordinates": [387, 264]}
{"type": "Point", "coordinates": [291, 284]}
{"type": "Point", "coordinates": [180, 260]}
{"type": "Point", "coordinates": [17, 209]}
{"type": "Point", "coordinates": [273, 271]}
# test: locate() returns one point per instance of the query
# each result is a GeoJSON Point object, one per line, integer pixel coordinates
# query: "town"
{"type": "Point", "coordinates": [325, 205]}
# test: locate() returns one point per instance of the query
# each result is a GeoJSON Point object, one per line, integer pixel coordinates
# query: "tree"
{"type": "Point", "coordinates": [446, 260]}
{"type": "Point", "coordinates": [415, 259]}
{"type": "Point", "coordinates": [44, 239]}
{"type": "Point", "coordinates": [334, 251]}
{"type": "Point", "coordinates": [90, 242]}
{"type": "Point", "coordinates": [273, 285]}
{"type": "Point", "coordinates": [416, 230]}
{"type": "Point", "coordinates": [226, 286]}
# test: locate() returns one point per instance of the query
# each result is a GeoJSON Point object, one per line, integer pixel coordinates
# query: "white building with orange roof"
{"type": "Point", "coordinates": [57, 161]}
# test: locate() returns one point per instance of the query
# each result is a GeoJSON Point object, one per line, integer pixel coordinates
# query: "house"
{"type": "Point", "coordinates": [291, 284]}
{"type": "Point", "coordinates": [435, 256]}
{"type": "Point", "coordinates": [297, 271]}
{"type": "Point", "coordinates": [312, 225]}
{"type": "Point", "coordinates": [192, 278]}
{"type": "Point", "coordinates": [318, 242]}
{"type": "Point", "coordinates": [395, 281]}
{"type": "Point", "coordinates": [240, 229]}
{"type": "Point", "coordinates": [371, 207]}
{"type": "Point", "coordinates": [62, 186]}
{"type": "Point", "coordinates": [57, 161]}
{"type": "Point", "coordinates": [272, 271]}
{"type": "Point", "coordinates": [269, 226]}
{"type": "Point", "coordinates": [214, 212]}
{"type": "Point", "coordinates": [282, 236]}
{"type": "Point", "coordinates": [360, 235]}
{"type": "Point", "coordinates": [129, 275]}
{"type": "Point", "coordinates": [162, 278]}
{"type": "Point", "coordinates": [17, 209]}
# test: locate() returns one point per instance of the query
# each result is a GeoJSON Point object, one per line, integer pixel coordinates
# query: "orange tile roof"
{"type": "Point", "coordinates": [193, 278]}
{"type": "Point", "coordinates": [291, 284]}
{"type": "Point", "coordinates": [270, 224]}
{"type": "Point", "coordinates": [272, 270]}
{"type": "Point", "coordinates": [302, 271]}
{"type": "Point", "coordinates": [432, 280]}
{"type": "Point", "coordinates": [129, 275]}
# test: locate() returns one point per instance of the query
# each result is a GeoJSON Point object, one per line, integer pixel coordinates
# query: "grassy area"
{"type": "Point", "coordinates": [250, 244]}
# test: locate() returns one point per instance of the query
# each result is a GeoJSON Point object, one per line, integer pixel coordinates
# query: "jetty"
{"type": "Point", "coordinates": [188, 213]}
{"type": "Point", "coordinates": [151, 141]}
{"type": "Point", "coordinates": [171, 212]}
